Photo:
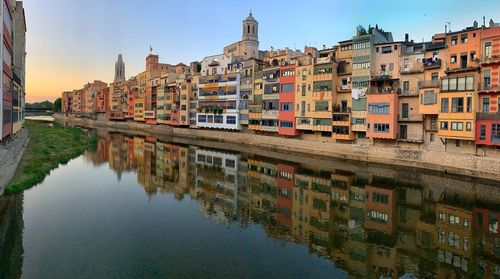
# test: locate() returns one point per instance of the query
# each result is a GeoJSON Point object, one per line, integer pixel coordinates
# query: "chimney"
{"type": "Point", "coordinates": [484, 21]}
{"type": "Point", "coordinates": [445, 28]}
{"type": "Point", "coordinates": [492, 24]}
{"type": "Point", "coordinates": [406, 37]}
{"type": "Point", "coordinates": [474, 24]}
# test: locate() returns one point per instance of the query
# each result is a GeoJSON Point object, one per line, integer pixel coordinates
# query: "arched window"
{"type": "Point", "coordinates": [248, 29]}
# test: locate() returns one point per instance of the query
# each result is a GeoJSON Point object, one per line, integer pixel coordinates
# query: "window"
{"type": "Point", "coordinates": [444, 125]}
{"type": "Point", "coordinates": [486, 104]}
{"type": "Point", "coordinates": [303, 89]}
{"type": "Point", "coordinates": [468, 126]}
{"type": "Point", "coordinates": [444, 104]}
{"type": "Point", "coordinates": [202, 118]}
{"type": "Point", "coordinates": [386, 49]}
{"type": "Point", "coordinates": [495, 132]}
{"type": "Point", "coordinates": [435, 77]}
{"type": "Point", "coordinates": [441, 216]}
{"type": "Point", "coordinates": [457, 126]}
{"type": "Point", "coordinates": [441, 236]}
{"type": "Point", "coordinates": [183, 107]}
{"type": "Point", "coordinates": [219, 119]}
{"type": "Point", "coordinates": [210, 118]}
{"type": "Point", "coordinates": [454, 240]}
{"type": "Point", "coordinates": [321, 106]}
{"type": "Point", "coordinates": [7, 19]}
{"type": "Point", "coordinates": [482, 132]}
{"type": "Point", "coordinates": [231, 119]}
{"type": "Point", "coordinates": [469, 103]}
{"type": "Point", "coordinates": [381, 128]}
{"type": "Point", "coordinates": [286, 106]}
{"type": "Point", "coordinates": [380, 198]}
{"type": "Point", "coordinates": [378, 108]}
{"type": "Point", "coordinates": [486, 79]}
{"type": "Point", "coordinates": [286, 124]}
{"type": "Point", "coordinates": [463, 38]}
{"type": "Point", "coordinates": [429, 97]}
{"type": "Point", "coordinates": [406, 86]}
{"type": "Point", "coordinates": [431, 137]}
{"type": "Point", "coordinates": [7, 55]}
{"type": "Point", "coordinates": [287, 87]}
{"type": "Point", "coordinates": [453, 59]}
{"type": "Point", "coordinates": [457, 104]}
{"type": "Point", "coordinates": [487, 50]}
{"type": "Point", "coordinates": [454, 40]}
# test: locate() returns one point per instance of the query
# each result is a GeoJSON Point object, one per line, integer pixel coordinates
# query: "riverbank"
{"type": "Point", "coordinates": [10, 156]}
{"type": "Point", "coordinates": [49, 146]}
{"type": "Point", "coordinates": [483, 167]}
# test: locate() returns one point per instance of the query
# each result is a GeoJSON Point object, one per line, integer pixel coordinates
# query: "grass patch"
{"type": "Point", "coordinates": [49, 146]}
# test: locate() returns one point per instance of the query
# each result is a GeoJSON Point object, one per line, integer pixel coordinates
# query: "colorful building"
{"type": "Point", "coordinates": [488, 113]}
{"type": "Point", "coordinates": [342, 116]}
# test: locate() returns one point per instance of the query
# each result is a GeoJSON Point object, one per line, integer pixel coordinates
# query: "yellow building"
{"type": "Point", "coordinates": [139, 109]}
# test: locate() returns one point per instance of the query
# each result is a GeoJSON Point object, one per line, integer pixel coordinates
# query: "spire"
{"type": "Point", "coordinates": [119, 69]}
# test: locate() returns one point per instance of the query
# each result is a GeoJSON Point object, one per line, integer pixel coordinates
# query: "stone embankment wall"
{"type": "Point", "coordinates": [485, 167]}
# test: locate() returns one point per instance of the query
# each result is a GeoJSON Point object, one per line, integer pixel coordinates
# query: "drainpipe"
{"type": "Point", "coordinates": [238, 89]}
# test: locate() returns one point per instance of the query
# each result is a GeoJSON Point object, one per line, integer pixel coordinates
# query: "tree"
{"type": "Point", "coordinates": [57, 105]}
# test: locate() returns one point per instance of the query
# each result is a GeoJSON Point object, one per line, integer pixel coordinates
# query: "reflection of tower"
{"type": "Point", "coordinates": [119, 69]}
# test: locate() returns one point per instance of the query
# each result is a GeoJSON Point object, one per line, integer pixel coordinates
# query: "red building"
{"type": "Point", "coordinates": [286, 114]}
{"type": "Point", "coordinates": [102, 101]}
{"type": "Point", "coordinates": [7, 85]}
{"type": "Point", "coordinates": [284, 198]}
{"type": "Point", "coordinates": [488, 115]}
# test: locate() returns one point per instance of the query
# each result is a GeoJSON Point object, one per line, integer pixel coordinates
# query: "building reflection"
{"type": "Point", "coordinates": [11, 236]}
{"type": "Point", "coordinates": [374, 223]}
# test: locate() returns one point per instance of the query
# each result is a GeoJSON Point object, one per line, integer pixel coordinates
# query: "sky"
{"type": "Point", "coordinates": [72, 42]}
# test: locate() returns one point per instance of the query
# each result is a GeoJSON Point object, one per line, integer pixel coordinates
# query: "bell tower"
{"type": "Point", "coordinates": [119, 69]}
{"type": "Point", "coordinates": [250, 29]}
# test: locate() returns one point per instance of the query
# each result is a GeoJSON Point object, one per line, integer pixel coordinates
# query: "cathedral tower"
{"type": "Point", "coordinates": [119, 69]}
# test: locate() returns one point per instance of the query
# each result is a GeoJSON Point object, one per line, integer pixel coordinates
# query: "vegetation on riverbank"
{"type": "Point", "coordinates": [50, 145]}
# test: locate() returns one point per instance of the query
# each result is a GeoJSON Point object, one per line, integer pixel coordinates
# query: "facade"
{"type": "Point", "coordinates": [7, 73]}
{"type": "Point", "coordinates": [18, 65]}
{"type": "Point", "coordinates": [441, 95]}
{"type": "Point", "coordinates": [458, 98]}
{"type": "Point", "coordinates": [488, 113]}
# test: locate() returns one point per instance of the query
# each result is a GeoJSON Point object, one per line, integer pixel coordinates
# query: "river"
{"type": "Point", "coordinates": [143, 207]}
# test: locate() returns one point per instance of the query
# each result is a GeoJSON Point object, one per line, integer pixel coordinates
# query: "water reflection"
{"type": "Point", "coordinates": [371, 221]}
{"type": "Point", "coordinates": [11, 232]}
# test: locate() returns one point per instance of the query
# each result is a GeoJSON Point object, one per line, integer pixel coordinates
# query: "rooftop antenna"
{"type": "Point", "coordinates": [449, 26]}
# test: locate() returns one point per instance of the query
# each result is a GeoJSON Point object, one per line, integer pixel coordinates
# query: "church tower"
{"type": "Point", "coordinates": [250, 29]}
{"type": "Point", "coordinates": [119, 69]}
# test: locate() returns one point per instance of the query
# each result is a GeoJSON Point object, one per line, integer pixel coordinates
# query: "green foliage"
{"type": "Point", "coordinates": [49, 146]}
{"type": "Point", "coordinates": [45, 104]}
{"type": "Point", "coordinates": [57, 105]}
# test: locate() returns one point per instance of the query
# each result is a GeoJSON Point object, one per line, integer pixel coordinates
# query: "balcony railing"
{"type": "Point", "coordinates": [488, 59]}
{"type": "Point", "coordinates": [418, 68]}
{"type": "Point", "coordinates": [488, 116]}
{"type": "Point", "coordinates": [385, 90]}
{"type": "Point", "coordinates": [489, 87]}
{"type": "Point", "coordinates": [409, 92]}
{"type": "Point", "coordinates": [410, 118]}
{"type": "Point", "coordinates": [343, 88]}
{"type": "Point", "coordinates": [432, 63]}
{"type": "Point", "coordinates": [322, 60]}
{"type": "Point", "coordinates": [339, 109]}
{"type": "Point", "coordinates": [428, 84]}
{"type": "Point", "coordinates": [385, 74]}
{"type": "Point", "coordinates": [410, 137]}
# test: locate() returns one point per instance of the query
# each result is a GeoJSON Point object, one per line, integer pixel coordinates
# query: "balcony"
{"type": "Point", "coordinates": [488, 88]}
{"type": "Point", "coordinates": [495, 116]}
{"type": "Point", "coordinates": [341, 119]}
{"type": "Point", "coordinates": [382, 75]}
{"type": "Point", "coordinates": [409, 92]}
{"type": "Point", "coordinates": [323, 60]}
{"type": "Point", "coordinates": [414, 69]}
{"type": "Point", "coordinates": [432, 127]}
{"type": "Point", "coordinates": [323, 76]}
{"type": "Point", "coordinates": [339, 109]}
{"type": "Point", "coordinates": [411, 118]}
{"type": "Point", "coordinates": [358, 127]}
{"type": "Point", "coordinates": [490, 59]}
{"type": "Point", "coordinates": [343, 70]}
{"type": "Point", "coordinates": [270, 114]}
{"type": "Point", "coordinates": [255, 115]}
{"type": "Point", "coordinates": [428, 84]}
{"type": "Point", "coordinates": [344, 88]}
{"type": "Point", "coordinates": [385, 90]}
{"type": "Point", "coordinates": [410, 137]}
{"type": "Point", "coordinates": [432, 63]}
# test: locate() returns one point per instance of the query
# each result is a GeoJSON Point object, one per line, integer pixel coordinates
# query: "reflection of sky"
{"type": "Point", "coordinates": [71, 42]}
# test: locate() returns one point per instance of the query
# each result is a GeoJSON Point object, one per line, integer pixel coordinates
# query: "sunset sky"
{"type": "Point", "coordinates": [71, 42]}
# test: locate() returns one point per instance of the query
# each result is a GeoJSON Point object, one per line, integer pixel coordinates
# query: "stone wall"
{"type": "Point", "coordinates": [486, 167]}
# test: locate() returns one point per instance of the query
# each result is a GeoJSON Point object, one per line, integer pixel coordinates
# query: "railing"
{"type": "Point", "coordinates": [411, 118]}
{"type": "Point", "coordinates": [488, 115]}
{"type": "Point", "coordinates": [383, 74]}
{"type": "Point", "coordinates": [411, 137]}
{"type": "Point", "coordinates": [384, 90]}
{"type": "Point", "coordinates": [431, 127]}
{"type": "Point", "coordinates": [429, 64]}
{"type": "Point", "coordinates": [343, 88]}
{"type": "Point", "coordinates": [486, 59]}
{"type": "Point", "coordinates": [322, 60]}
{"type": "Point", "coordinates": [428, 84]}
{"type": "Point", "coordinates": [489, 87]}
{"type": "Point", "coordinates": [412, 69]}
{"type": "Point", "coordinates": [270, 114]}
{"type": "Point", "coordinates": [339, 109]}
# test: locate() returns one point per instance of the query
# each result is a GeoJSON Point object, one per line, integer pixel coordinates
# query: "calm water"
{"type": "Point", "coordinates": [135, 207]}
